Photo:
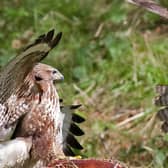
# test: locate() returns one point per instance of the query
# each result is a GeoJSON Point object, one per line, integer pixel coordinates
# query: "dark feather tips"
{"type": "Point", "coordinates": [72, 130]}
{"type": "Point", "coordinates": [68, 151]}
{"type": "Point", "coordinates": [75, 130]}
{"type": "Point", "coordinates": [47, 38]}
{"type": "Point", "coordinates": [38, 40]}
{"type": "Point", "coordinates": [77, 118]}
{"type": "Point", "coordinates": [56, 40]}
{"type": "Point", "coordinates": [75, 106]}
{"type": "Point", "coordinates": [73, 142]}
{"type": "Point", "coordinates": [61, 101]}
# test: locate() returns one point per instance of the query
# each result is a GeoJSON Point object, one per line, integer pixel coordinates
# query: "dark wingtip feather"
{"type": "Point", "coordinates": [77, 118]}
{"type": "Point", "coordinates": [68, 151]}
{"type": "Point", "coordinates": [61, 100]}
{"type": "Point", "coordinates": [39, 39]}
{"type": "Point", "coordinates": [73, 142]}
{"type": "Point", "coordinates": [75, 106]}
{"type": "Point", "coordinates": [49, 36]}
{"type": "Point", "coordinates": [75, 130]}
{"type": "Point", "coordinates": [56, 40]}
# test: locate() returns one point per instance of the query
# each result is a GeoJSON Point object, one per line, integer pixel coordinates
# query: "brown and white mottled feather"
{"type": "Point", "coordinates": [52, 130]}
{"type": "Point", "coordinates": [20, 147]}
{"type": "Point", "coordinates": [40, 122]}
{"type": "Point", "coordinates": [161, 100]}
{"type": "Point", "coordinates": [13, 83]}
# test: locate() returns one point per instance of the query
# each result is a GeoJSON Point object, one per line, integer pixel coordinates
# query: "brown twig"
{"type": "Point", "coordinates": [99, 30]}
{"type": "Point", "coordinates": [151, 6]}
{"type": "Point", "coordinates": [131, 119]}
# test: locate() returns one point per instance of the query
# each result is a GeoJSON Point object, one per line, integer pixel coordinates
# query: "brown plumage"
{"type": "Point", "coordinates": [40, 122]}
{"type": "Point", "coordinates": [14, 90]}
{"type": "Point", "coordinates": [32, 99]}
{"type": "Point", "coordinates": [52, 128]}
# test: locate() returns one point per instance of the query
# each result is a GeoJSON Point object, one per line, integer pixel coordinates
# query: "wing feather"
{"type": "Point", "coordinates": [70, 129]}
{"type": "Point", "coordinates": [68, 151]}
{"type": "Point", "coordinates": [72, 141]}
{"type": "Point", "coordinates": [75, 130]}
{"type": "Point", "coordinates": [14, 73]}
{"type": "Point", "coordinates": [77, 118]}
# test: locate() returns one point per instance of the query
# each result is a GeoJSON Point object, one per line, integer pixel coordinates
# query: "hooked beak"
{"type": "Point", "coordinates": [61, 78]}
{"type": "Point", "coordinates": [58, 77]}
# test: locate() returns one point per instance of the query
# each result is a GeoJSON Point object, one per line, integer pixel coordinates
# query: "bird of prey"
{"type": "Point", "coordinates": [13, 84]}
{"type": "Point", "coordinates": [43, 121]}
{"type": "Point", "coordinates": [47, 123]}
{"type": "Point", "coordinates": [161, 100]}
{"type": "Point", "coordinates": [50, 126]}
{"type": "Point", "coordinates": [35, 103]}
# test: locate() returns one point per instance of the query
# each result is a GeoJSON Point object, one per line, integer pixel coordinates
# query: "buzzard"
{"type": "Point", "coordinates": [162, 101]}
{"type": "Point", "coordinates": [35, 104]}
{"type": "Point", "coordinates": [14, 85]}
{"type": "Point", "coordinates": [43, 121]}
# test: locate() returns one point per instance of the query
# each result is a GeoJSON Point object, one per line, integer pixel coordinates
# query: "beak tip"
{"type": "Point", "coordinates": [62, 78]}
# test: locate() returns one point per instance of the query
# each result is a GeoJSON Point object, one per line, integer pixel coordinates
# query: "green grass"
{"type": "Point", "coordinates": [113, 73]}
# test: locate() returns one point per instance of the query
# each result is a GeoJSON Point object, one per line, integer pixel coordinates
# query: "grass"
{"type": "Point", "coordinates": [112, 55]}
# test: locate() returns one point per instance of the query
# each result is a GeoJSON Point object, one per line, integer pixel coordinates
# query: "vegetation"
{"type": "Point", "coordinates": [112, 56]}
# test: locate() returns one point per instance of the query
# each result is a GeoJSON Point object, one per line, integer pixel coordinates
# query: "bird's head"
{"type": "Point", "coordinates": [45, 73]}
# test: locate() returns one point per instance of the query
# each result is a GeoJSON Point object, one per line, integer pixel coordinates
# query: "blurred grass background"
{"type": "Point", "coordinates": [112, 55]}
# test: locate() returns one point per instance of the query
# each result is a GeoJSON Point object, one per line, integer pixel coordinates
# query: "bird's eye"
{"type": "Point", "coordinates": [54, 72]}
{"type": "Point", "coordinates": [37, 78]}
